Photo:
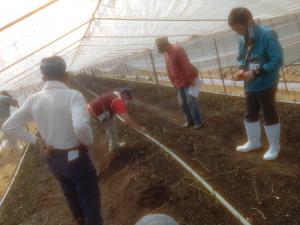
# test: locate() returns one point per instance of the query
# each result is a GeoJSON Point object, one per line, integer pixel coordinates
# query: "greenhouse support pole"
{"type": "Point", "coordinates": [127, 76]}
{"type": "Point", "coordinates": [113, 69]}
{"type": "Point", "coordinates": [102, 71]}
{"type": "Point", "coordinates": [219, 63]}
{"type": "Point", "coordinates": [160, 20]}
{"type": "Point", "coordinates": [86, 31]}
{"type": "Point", "coordinates": [65, 56]}
{"type": "Point", "coordinates": [154, 71]}
{"type": "Point", "coordinates": [118, 74]}
{"type": "Point", "coordinates": [38, 71]}
{"type": "Point", "coordinates": [30, 68]}
{"type": "Point", "coordinates": [27, 15]}
{"type": "Point", "coordinates": [298, 22]}
{"type": "Point", "coordinates": [284, 80]}
{"type": "Point", "coordinates": [150, 72]}
{"type": "Point", "coordinates": [43, 47]}
{"type": "Point", "coordinates": [132, 74]}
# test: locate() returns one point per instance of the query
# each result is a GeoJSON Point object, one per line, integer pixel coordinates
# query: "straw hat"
{"type": "Point", "coordinates": [162, 41]}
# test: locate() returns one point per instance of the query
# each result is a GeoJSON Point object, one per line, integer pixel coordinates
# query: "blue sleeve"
{"type": "Point", "coordinates": [274, 52]}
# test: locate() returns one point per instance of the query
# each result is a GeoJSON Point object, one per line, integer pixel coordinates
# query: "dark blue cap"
{"type": "Point", "coordinates": [126, 91]}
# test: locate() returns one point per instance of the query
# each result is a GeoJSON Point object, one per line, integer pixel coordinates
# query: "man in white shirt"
{"type": "Point", "coordinates": [61, 118]}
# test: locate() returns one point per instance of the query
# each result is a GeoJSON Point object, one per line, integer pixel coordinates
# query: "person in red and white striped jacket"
{"type": "Point", "coordinates": [105, 107]}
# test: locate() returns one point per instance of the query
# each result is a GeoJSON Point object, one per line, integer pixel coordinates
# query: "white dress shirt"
{"type": "Point", "coordinates": [60, 114]}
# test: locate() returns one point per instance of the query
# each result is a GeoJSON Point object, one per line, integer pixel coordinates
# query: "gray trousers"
{"type": "Point", "coordinates": [111, 129]}
{"type": "Point", "coordinates": [12, 143]}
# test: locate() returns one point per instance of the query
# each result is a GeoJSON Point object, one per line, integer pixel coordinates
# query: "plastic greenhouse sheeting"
{"type": "Point", "coordinates": [125, 27]}
{"type": "Point", "coordinates": [202, 49]}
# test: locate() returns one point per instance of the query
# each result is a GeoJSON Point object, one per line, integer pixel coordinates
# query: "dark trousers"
{"type": "Point", "coordinates": [262, 100]}
{"type": "Point", "coordinates": [189, 106]}
{"type": "Point", "coordinates": [78, 181]}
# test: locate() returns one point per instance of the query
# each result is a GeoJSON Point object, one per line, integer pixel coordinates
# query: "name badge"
{"type": "Point", "coordinates": [254, 66]}
{"type": "Point", "coordinates": [103, 116]}
{"type": "Point", "coordinates": [72, 155]}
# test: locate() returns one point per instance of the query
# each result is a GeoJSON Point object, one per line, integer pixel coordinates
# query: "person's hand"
{"type": "Point", "coordinates": [238, 75]}
{"type": "Point", "coordinates": [248, 76]}
{"type": "Point", "coordinates": [245, 76]}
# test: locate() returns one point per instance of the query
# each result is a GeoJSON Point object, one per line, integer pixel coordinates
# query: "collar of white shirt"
{"type": "Point", "coordinates": [54, 84]}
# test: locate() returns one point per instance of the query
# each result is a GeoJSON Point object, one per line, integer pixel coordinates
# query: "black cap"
{"type": "Point", "coordinates": [53, 67]}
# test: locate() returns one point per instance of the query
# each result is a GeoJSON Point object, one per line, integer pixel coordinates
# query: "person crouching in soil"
{"type": "Point", "coordinates": [105, 108]}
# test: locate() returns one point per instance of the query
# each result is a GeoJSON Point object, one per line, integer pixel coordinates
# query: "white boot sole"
{"type": "Point", "coordinates": [239, 149]}
{"type": "Point", "coordinates": [272, 157]}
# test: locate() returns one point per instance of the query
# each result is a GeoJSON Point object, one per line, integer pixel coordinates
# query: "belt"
{"type": "Point", "coordinates": [63, 153]}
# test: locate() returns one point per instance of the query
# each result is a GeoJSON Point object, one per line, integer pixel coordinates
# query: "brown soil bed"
{"type": "Point", "coordinates": [137, 181]}
{"type": "Point", "coordinates": [8, 164]}
{"type": "Point", "coordinates": [266, 192]}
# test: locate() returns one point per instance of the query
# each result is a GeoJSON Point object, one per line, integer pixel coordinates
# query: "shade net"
{"type": "Point", "coordinates": [113, 40]}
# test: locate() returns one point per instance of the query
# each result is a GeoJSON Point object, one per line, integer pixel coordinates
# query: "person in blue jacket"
{"type": "Point", "coordinates": [260, 58]}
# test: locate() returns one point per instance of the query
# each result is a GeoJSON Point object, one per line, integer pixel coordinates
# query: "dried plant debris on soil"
{"type": "Point", "coordinates": [134, 182]}
{"type": "Point", "coordinates": [267, 192]}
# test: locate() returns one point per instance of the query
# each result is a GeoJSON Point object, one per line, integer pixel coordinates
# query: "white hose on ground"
{"type": "Point", "coordinates": [189, 169]}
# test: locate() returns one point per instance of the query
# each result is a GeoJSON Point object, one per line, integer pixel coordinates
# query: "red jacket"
{"type": "Point", "coordinates": [181, 71]}
{"type": "Point", "coordinates": [110, 102]}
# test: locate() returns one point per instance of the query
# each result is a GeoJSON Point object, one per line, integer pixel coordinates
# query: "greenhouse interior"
{"type": "Point", "coordinates": [148, 112]}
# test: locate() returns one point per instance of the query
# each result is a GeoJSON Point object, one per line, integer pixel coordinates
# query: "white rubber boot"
{"type": "Point", "coordinates": [273, 135]}
{"type": "Point", "coordinates": [254, 137]}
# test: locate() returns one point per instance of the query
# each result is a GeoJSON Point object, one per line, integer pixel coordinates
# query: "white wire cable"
{"type": "Point", "coordinates": [190, 170]}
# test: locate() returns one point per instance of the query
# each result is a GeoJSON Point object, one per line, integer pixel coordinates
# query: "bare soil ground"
{"type": "Point", "coordinates": [8, 164]}
{"type": "Point", "coordinates": [9, 160]}
{"type": "Point", "coordinates": [140, 179]}
{"type": "Point", "coordinates": [267, 192]}
{"type": "Point", "coordinates": [134, 182]}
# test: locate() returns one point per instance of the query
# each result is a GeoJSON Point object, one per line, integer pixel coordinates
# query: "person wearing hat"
{"type": "Point", "coordinates": [7, 101]}
{"type": "Point", "coordinates": [105, 107]}
{"type": "Point", "coordinates": [63, 123]}
{"type": "Point", "coordinates": [184, 76]}
{"type": "Point", "coordinates": [260, 58]}
{"type": "Point", "coordinates": [156, 219]}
